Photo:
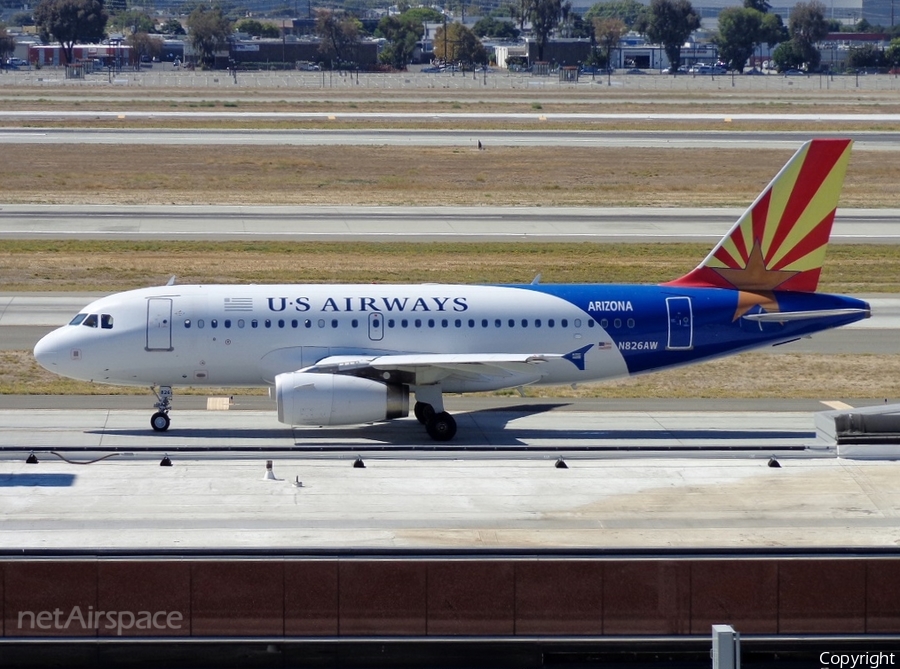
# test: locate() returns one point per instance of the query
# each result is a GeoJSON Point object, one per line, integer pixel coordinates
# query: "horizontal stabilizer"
{"type": "Point", "coordinates": [785, 316]}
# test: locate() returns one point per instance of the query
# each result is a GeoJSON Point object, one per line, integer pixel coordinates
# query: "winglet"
{"type": "Point", "coordinates": [779, 242]}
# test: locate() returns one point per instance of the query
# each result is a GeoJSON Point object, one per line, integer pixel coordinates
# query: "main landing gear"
{"type": "Point", "coordinates": [160, 420]}
{"type": "Point", "coordinates": [441, 426]}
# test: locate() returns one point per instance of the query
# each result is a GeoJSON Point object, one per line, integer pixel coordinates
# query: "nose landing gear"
{"type": "Point", "coordinates": [160, 420]}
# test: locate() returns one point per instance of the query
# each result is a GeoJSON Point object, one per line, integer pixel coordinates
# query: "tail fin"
{"type": "Point", "coordinates": [779, 242]}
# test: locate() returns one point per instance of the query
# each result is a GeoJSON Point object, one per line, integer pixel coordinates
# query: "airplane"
{"type": "Point", "coordinates": [354, 354]}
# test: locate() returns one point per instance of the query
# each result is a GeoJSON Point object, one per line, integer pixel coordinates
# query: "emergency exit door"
{"type": "Point", "coordinates": [681, 323]}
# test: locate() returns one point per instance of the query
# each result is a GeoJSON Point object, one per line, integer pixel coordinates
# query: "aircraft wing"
{"type": "Point", "coordinates": [430, 367]}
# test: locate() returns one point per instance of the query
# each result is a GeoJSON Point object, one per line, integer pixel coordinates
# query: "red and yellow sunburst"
{"type": "Point", "coordinates": [779, 243]}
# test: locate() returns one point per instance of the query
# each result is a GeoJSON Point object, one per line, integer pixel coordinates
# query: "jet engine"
{"type": "Point", "coordinates": [332, 399]}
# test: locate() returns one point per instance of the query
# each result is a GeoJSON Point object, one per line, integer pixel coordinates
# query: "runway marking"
{"type": "Point", "coordinates": [835, 404]}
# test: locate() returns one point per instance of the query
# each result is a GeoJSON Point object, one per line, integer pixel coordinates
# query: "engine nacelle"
{"type": "Point", "coordinates": [332, 399]}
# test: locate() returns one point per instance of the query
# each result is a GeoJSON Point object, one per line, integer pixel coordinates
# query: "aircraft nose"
{"type": "Point", "coordinates": [47, 353]}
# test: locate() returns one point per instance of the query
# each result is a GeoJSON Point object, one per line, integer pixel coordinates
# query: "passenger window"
{"type": "Point", "coordinates": [254, 323]}
{"type": "Point", "coordinates": [524, 322]}
{"type": "Point", "coordinates": [187, 323]}
{"type": "Point", "coordinates": [77, 320]}
{"type": "Point", "coordinates": [268, 322]}
{"type": "Point", "coordinates": [604, 322]}
{"type": "Point", "coordinates": [471, 322]}
{"type": "Point", "coordinates": [200, 323]}
{"type": "Point", "coordinates": [484, 322]}
{"type": "Point", "coordinates": [321, 323]}
{"type": "Point", "coordinates": [498, 323]}
{"type": "Point", "coordinates": [404, 323]}
{"type": "Point", "coordinates": [90, 321]}
{"type": "Point", "coordinates": [418, 322]}
{"type": "Point", "coordinates": [295, 323]}
{"type": "Point", "coordinates": [281, 322]}
{"type": "Point", "coordinates": [551, 323]}
{"type": "Point", "coordinates": [591, 323]}
{"type": "Point", "coordinates": [307, 323]}
{"type": "Point", "coordinates": [564, 323]}
{"type": "Point", "coordinates": [512, 323]}
{"type": "Point", "coordinates": [537, 322]}
{"type": "Point", "coordinates": [354, 323]}
{"type": "Point", "coordinates": [227, 322]}
{"type": "Point", "coordinates": [106, 321]}
{"type": "Point", "coordinates": [431, 322]}
{"type": "Point", "coordinates": [390, 322]}
{"type": "Point", "coordinates": [240, 322]}
{"type": "Point", "coordinates": [214, 323]}
{"type": "Point", "coordinates": [577, 323]}
{"type": "Point", "coordinates": [631, 322]}
{"type": "Point", "coordinates": [444, 322]}
{"type": "Point", "coordinates": [617, 323]}
{"type": "Point", "coordinates": [334, 322]}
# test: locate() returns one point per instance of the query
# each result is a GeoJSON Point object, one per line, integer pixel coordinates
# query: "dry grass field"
{"type": "Point", "coordinates": [400, 175]}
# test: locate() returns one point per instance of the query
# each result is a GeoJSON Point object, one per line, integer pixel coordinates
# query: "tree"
{"type": "Point", "coordinates": [21, 19]}
{"type": "Point", "coordinates": [544, 16]}
{"type": "Point", "coordinates": [808, 26]}
{"type": "Point", "coordinates": [402, 32]}
{"type": "Point", "coordinates": [209, 31]}
{"type": "Point", "coordinates": [761, 6]}
{"type": "Point", "coordinates": [867, 55]}
{"type": "Point", "coordinates": [608, 33]}
{"type": "Point", "coordinates": [7, 43]}
{"type": "Point", "coordinates": [422, 15]}
{"type": "Point", "coordinates": [892, 53]}
{"type": "Point", "coordinates": [257, 28]}
{"type": "Point", "coordinates": [172, 27]}
{"type": "Point", "coordinates": [788, 56]}
{"type": "Point", "coordinates": [134, 21]}
{"type": "Point", "coordinates": [627, 11]}
{"type": "Point", "coordinates": [70, 21]}
{"type": "Point", "coordinates": [142, 44]}
{"type": "Point", "coordinates": [454, 43]}
{"type": "Point", "coordinates": [339, 32]}
{"type": "Point", "coordinates": [669, 23]}
{"type": "Point", "coordinates": [488, 26]}
{"type": "Point", "coordinates": [739, 33]}
{"type": "Point", "coordinates": [772, 30]}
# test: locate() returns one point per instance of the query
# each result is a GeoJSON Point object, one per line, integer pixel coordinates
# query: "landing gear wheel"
{"type": "Point", "coordinates": [159, 421]}
{"type": "Point", "coordinates": [424, 412]}
{"type": "Point", "coordinates": [441, 427]}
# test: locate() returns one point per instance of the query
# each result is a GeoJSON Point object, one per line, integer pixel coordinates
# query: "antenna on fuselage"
{"type": "Point", "coordinates": [171, 281]}
{"type": "Point", "coordinates": [536, 280]}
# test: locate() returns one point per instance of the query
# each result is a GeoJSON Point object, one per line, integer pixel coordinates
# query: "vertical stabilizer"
{"type": "Point", "coordinates": [779, 242]}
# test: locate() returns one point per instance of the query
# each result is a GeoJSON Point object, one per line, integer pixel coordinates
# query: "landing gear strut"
{"type": "Point", "coordinates": [160, 420]}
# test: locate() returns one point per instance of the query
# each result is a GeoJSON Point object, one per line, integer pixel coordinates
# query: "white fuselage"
{"type": "Point", "coordinates": [226, 335]}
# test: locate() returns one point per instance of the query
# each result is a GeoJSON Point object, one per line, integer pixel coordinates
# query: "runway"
{"type": "Point", "coordinates": [385, 223]}
{"type": "Point", "coordinates": [700, 139]}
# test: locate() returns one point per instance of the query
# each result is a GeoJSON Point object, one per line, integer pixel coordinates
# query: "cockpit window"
{"type": "Point", "coordinates": [106, 321]}
{"type": "Point", "coordinates": [77, 320]}
{"type": "Point", "coordinates": [90, 321]}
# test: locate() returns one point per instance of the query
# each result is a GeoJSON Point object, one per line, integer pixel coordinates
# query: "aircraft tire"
{"type": "Point", "coordinates": [441, 427]}
{"type": "Point", "coordinates": [160, 421]}
{"type": "Point", "coordinates": [423, 411]}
